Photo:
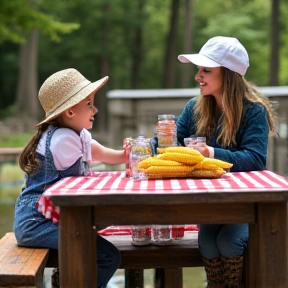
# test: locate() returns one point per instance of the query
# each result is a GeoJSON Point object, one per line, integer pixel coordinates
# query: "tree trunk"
{"type": "Point", "coordinates": [275, 34]}
{"type": "Point", "coordinates": [27, 103]}
{"type": "Point", "coordinates": [137, 48]}
{"type": "Point", "coordinates": [169, 79]}
{"type": "Point", "coordinates": [101, 101]}
{"type": "Point", "coordinates": [187, 70]}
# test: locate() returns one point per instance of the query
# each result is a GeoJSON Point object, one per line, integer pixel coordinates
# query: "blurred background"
{"type": "Point", "coordinates": [136, 43]}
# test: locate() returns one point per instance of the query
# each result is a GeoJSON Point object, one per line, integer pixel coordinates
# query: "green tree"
{"type": "Point", "coordinates": [20, 22]}
{"type": "Point", "coordinates": [127, 40]}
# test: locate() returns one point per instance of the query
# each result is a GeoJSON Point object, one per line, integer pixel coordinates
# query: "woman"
{"type": "Point", "coordinates": [236, 120]}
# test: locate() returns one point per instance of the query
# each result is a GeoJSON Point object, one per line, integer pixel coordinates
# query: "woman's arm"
{"type": "Point", "coordinates": [106, 155]}
{"type": "Point", "coordinates": [185, 123]}
{"type": "Point", "coordinates": [252, 141]}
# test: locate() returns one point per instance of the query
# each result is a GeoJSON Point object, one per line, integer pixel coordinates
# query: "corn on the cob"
{"type": "Point", "coordinates": [202, 173]}
{"type": "Point", "coordinates": [206, 166]}
{"type": "Point", "coordinates": [217, 162]}
{"type": "Point", "coordinates": [159, 172]}
{"type": "Point", "coordinates": [160, 150]}
{"type": "Point", "coordinates": [155, 161]}
{"type": "Point", "coordinates": [181, 149]}
{"type": "Point", "coordinates": [187, 159]}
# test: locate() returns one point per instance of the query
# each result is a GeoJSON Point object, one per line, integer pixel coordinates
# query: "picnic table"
{"type": "Point", "coordinates": [258, 198]}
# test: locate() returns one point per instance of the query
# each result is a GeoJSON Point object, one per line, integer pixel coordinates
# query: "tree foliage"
{"type": "Point", "coordinates": [128, 42]}
{"type": "Point", "coordinates": [20, 17]}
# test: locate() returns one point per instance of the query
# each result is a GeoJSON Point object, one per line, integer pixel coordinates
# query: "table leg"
{"type": "Point", "coordinates": [168, 277]}
{"type": "Point", "coordinates": [134, 278]}
{"type": "Point", "coordinates": [267, 252]}
{"type": "Point", "coordinates": [77, 248]}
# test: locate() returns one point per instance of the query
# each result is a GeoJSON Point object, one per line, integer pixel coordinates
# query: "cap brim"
{"type": "Point", "coordinates": [198, 59]}
{"type": "Point", "coordinates": [81, 95]}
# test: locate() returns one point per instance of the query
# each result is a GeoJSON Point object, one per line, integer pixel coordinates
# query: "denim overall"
{"type": "Point", "coordinates": [32, 229]}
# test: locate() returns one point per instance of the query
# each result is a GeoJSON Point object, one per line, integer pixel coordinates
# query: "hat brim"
{"type": "Point", "coordinates": [199, 60]}
{"type": "Point", "coordinates": [76, 98]}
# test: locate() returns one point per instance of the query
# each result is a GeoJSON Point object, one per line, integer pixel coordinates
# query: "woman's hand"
{"type": "Point", "coordinates": [202, 149]}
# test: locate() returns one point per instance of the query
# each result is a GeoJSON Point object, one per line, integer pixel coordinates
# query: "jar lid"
{"type": "Point", "coordinates": [166, 116]}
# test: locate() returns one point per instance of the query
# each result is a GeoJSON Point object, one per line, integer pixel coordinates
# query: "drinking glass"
{"type": "Point", "coordinates": [201, 141]}
{"type": "Point", "coordinates": [161, 233]}
{"type": "Point", "coordinates": [190, 142]}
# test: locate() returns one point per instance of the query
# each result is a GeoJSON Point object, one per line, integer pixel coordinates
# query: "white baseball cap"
{"type": "Point", "coordinates": [220, 51]}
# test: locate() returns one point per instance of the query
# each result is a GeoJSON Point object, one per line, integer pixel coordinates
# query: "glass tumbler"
{"type": "Point", "coordinates": [190, 141]}
{"type": "Point", "coordinates": [161, 233]}
{"type": "Point", "coordinates": [201, 141]}
{"type": "Point", "coordinates": [141, 234]}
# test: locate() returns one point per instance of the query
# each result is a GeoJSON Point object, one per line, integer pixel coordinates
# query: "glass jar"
{"type": "Point", "coordinates": [141, 149]}
{"type": "Point", "coordinates": [178, 231]}
{"type": "Point", "coordinates": [127, 146]}
{"type": "Point", "coordinates": [166, 131]}
{"type": "Point", "coordinates": [161, 233]}
{"type": "Point", "coordinates": [141, 235]}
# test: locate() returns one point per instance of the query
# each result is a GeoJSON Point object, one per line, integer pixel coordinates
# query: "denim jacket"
{"type": "Point", "coordinates": [252, 137]}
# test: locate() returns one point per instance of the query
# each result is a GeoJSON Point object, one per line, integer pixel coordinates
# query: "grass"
{"type": "Point", "coordinates": [11, 178]}
{"type": "Point", "coordinates": [15, 140]}
{"type": "Point", "coordinates": [192, 278]}
{"type": "Point", "coordinates": [9, 173]}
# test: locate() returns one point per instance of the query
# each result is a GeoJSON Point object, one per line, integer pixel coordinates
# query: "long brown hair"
{"type": "Point", "coordinates": [28, 158]}
{"type": "Point", "coordinates": [235, 90]}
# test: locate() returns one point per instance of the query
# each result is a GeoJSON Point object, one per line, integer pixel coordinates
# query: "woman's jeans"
{"type": "Point", "coordinates": [226, 240]}
{"type": "Point", "coordinates": [33, 230]}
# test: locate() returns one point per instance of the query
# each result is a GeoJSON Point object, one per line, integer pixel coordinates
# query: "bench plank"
{"type": "Point", "coordinates": [184, 253]}
{"type": "Point", "coordinates": [21, 266]}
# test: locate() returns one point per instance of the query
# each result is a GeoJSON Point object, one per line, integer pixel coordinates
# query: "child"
{"type": "Point", "coordinates": [62, 147]}
{"type": "Point", "coordinates": [236, 121]}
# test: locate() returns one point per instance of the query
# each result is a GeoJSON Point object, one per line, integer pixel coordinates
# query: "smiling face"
{"type": "Point", "coordinates": [81, 115]}
{"type": "Point", "coordinates": [210, 82]}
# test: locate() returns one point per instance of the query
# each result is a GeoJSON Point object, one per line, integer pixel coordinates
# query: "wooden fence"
{"type": "Point", "coordinates": [134, 112]}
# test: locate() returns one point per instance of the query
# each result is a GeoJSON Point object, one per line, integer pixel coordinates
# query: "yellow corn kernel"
{"type": "Point", "coordinates": [181, 149]}
{"type": "Point", "coordinates": [187, 159]}
{"type": "Point", "coordinates": [159, 172]}
{"type": "Point", "coordinates": [220, 163]}
{"type": "Point", "coordinates": [206, 166]}
{"type": "Point", "coordinates": [160, 150]}
{"type": "Point", "coordinates": [202, 173]}
{"type": "Point", "coordinates": [155, 161]}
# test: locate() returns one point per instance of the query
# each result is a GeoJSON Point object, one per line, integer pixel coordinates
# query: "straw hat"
{"type": "Point", "coordinates": [65, 89]}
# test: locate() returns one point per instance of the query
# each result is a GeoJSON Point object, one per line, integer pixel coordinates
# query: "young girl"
{"type": "Point", "coordinates": [62, 147]}
{"type": "Point", "coordinates": [236, 120]}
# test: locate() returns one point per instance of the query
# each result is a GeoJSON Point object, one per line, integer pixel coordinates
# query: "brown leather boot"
{"type": "Point", "coordinates": [214, 272]}
{"type": "Point", "coordinates": [232, 271]}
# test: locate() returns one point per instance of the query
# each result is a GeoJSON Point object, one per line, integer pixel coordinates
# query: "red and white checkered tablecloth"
{"type": "Point", "coordinates": [115, 182]}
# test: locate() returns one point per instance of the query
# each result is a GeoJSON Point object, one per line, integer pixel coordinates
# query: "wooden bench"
{"type": "Point", "coordinates": [20, 266]}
